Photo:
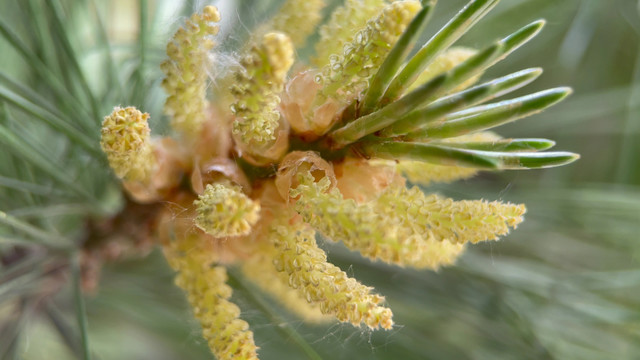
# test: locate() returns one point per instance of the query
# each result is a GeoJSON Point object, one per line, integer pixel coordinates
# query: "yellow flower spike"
{"type": "Point", "coordinates": [345, 21]}
{"type": "Point", "coordinates": [298, 19]}
{"type": "Point", "coordinates": [228, 336]}
{"type": "Point", "coordinates": [262, 272]}
{"type": "Point", "coordinates": [323, 283]}
{"type": "Point", "coordinates": [186, 72]}
{"type": "Point", "coordinates": [445, 219]}
{"type": "Point", "coordinates": [257, 92]}
{"type": "Point", "coordinates": [224, 210]}
{"type": "Point", "coordinates": [377, 229]}
{"type": "Point", "coordinates": [175, 222]}
{"type": "Point", "coordinates": [126, 140]}
{"type": "Point", "coordinates": [445, 62]}
{"type": "Point", "coordinates": [347, 75]}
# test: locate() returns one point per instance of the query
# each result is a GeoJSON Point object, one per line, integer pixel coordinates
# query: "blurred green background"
{"type": "Point", "coordinates": [564, 285]}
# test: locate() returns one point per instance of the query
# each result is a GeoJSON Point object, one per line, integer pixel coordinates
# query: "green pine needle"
{"type": "Point", "coordinates": [490, 116]}
{"type": "Point", "coordinates": [455, 156]}
{"type": "Point", "coordinates": [452, 31]}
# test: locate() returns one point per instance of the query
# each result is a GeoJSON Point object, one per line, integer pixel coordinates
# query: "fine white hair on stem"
{"type": "Point", "coordinates": [221, 64]}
